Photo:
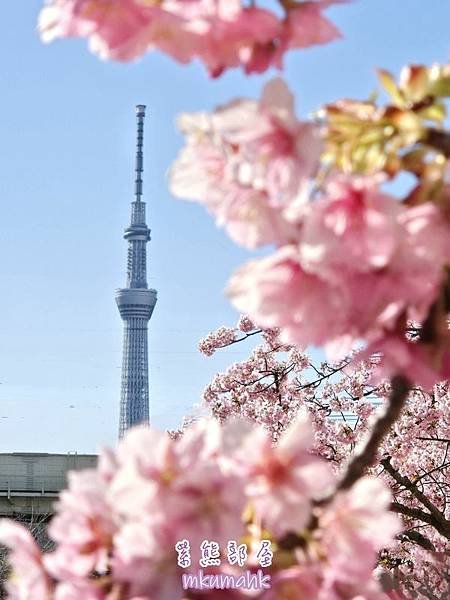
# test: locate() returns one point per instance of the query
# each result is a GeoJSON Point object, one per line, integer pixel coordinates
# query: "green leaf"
{"type": "Point", "coordinates": [435, 112]}
{"type": "Point", "coordinates": [390, 86]}
{"type": "Point", "coordinates": [440, 87]}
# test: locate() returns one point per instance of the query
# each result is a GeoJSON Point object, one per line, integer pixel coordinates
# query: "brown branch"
{"type": "Point", "coordinates": [440, 140]}
{"type": "Point", "coordinates": [413, 513]}
{"type": "Point", "coordinates": [429, 473]}
{"type": "Point", "coordinates": [367, 456]}
{"type": "Point", "coordinates": [322, 377]}
{"type": "Point", "coordinates": [414, 490]}
{"type": "Point", "coordinates": [436, 439]}
{"type": "Point", "coordinates": [420, 515]}
{"type": "Point", "coordinates": [417, 538]}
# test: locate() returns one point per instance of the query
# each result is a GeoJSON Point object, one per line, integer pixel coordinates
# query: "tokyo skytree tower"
{"type": "Point", "coordinates": [136, 303]}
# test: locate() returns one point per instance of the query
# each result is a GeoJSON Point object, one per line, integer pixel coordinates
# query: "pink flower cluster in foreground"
{"type": "Point", "coordinates": [116, 527]}
{"type": "Point", "coordinates": [352, 264]}
{"type": "Point", "coordinates": [221, 33]}
{"type": "Point", "coordinates": [250, 162]}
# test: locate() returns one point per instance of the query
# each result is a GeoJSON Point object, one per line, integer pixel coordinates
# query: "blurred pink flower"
{"type": "Point", "coordinates": [180, 483]}
{"type": "Point", "coordinates": [234, 41]}
{"type": "Point", "coordinates": [360, 262]}
{"type": "Point", "coordinates": [221, 33]}
{"type": "Point", "coordinates": [29, 579]}
{"type": "Point", "coordinates": [116, 527]}
{"type": "Point", "coordinates": [80, 590]}
{"type": "Point", "coordinates": [354, 228]}
{"type": "Point", "coordinates": [145, 561]}
{"type": "Point", "coordinates": [282, 480]}
{"type": "Point", "coordinates": [354, 528]}
{"type": "Point", "coordinates": [116, 29]}
{"type": "Point", "coordinates": [277, 292]}
{"type": "Point", "coordinates": [83, 528]}
{"type": "Point", "coordinates": [402, 357]}
{"type": "Point", "coordinates": [250, 163]}
{"type": "Point", "coordinates": [295, 583]}
{"type": "Point", "coordinates": [306, 26]}
{"type": "Point", "coordinates": [420, 262]}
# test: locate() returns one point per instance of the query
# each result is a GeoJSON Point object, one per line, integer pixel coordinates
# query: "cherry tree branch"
{"type": "Point", "coordinates": [419, 539]}
{"type": "Point", "coordinates": [413, 513]}
{"type": "Point", "coordinates": [439, 521]}
{"type": "Point", "coordinates": [322, 376]}
{"type": "Point", "coordinates": [420, 515]}
{"type": "Point", "coordinates": [440, 140]}
{"type": "Point", "coordinates": [241, 339]}
{"type": "Point", "coordinates": [434, 439]}
{"type": "Point", "coordinates": [366, 457]}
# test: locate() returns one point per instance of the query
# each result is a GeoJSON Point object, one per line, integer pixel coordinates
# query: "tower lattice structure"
{"type": "Point", "coordinates": [136, 303]}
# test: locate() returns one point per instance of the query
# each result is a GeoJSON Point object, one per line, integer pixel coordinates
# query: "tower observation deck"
{"type": "Point", "coordinates": [136, 303]}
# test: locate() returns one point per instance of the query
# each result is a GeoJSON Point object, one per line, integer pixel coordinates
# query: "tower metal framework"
{"type": "Point", "coordinates": [136, 303]}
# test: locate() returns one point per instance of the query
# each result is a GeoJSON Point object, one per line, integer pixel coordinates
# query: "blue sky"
{"type": "Point", "coordinates": [66, 178]}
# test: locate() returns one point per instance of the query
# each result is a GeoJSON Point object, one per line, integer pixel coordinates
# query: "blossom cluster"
{"type": "Point", "coordinates": [352, 262]}
{"type": "Point", "coordinates": [276, 382]}
{"type": "Point", "coordinates": [117, 528]}
{"type": "Point", "coordinates": [250, 163]}
{"type": "Point", "coordinates": [218, 339]}
{"type": "Point", "coordinates": [221, 33]}
{"type": "Point", "coordinates": [259, 388]}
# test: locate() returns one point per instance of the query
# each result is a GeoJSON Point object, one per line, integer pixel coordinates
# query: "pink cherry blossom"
{"type": "Point", "coordinates": [245, 324]}
{"type": "Point", "coordinates": [389, 257]}
{"type": "Point", "coordinates": [155, 490]}
{"type": "Point", "coordinates": [306, 25]}
{"type": "Point", "coordinates": [420, 262]}
{"type": "Point", "coordinates": [277, 292]}
{"type": "Point", "coordinates": [124, 30]}
{"type": "Point", "coordinates": [220, 338]}
{"type": "Point", "coordinates": [353, 228]}
{"type": "Point", "coordinates": [234, 41]}
{"type": "Point", "coordinates": [402, 357]}
{"type": "Point", "coordinates": [115, 29]}
{"type": "Point", "coordinates": [79, 590]}
{"type": "Point", "coordinates": [361, 263]}
{"type": "Point", "coordinates": [296, 583]}
{"type": "Point", "coordinates": [29, 579]}
{"type": "Point", "coordinates": [83, 528]}
{"type": "Point", "coordinates": [250, 163]}
{"type": "Point", "coordinates": [181, 480]}
{"type": "Point", "coordinates": [282, 480]}
{"type": "Point", "coordinates": [145, 561]}
{"type": "Point", "coordinates": [355, 527]}
{"type": "Point", "coordinates": [221, 33]}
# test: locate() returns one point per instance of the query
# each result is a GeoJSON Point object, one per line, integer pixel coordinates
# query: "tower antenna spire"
{"type": "Point", "coordinates": [140, 116]}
